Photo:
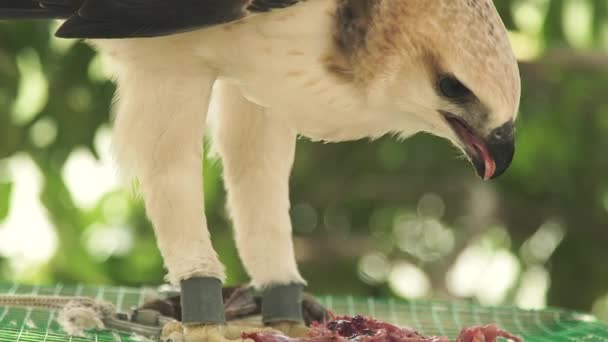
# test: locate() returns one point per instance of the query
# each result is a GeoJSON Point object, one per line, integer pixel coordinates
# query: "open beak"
{"type": "Point", "coordinates": [491, 155]}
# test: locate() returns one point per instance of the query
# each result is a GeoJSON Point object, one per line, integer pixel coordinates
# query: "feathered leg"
{"type": "Point", "coordinates": [257, 153]}
{"type": "Point", "coordinates": [158, 136]}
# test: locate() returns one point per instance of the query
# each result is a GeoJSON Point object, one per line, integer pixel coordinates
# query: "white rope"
{"type": "Point", "coordinates": [77, 313]}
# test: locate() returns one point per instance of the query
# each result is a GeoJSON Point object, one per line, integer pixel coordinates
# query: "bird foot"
{"type": "Point", "coordinates": [291, 329]}
{"type": "Point", "coordinates": [174, 331]}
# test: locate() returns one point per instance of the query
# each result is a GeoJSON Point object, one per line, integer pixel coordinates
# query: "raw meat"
{"type": "Point", "coordinates": [364, 329]}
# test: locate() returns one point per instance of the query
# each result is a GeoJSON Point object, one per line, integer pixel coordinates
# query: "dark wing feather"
{"type": "Point", "coordinates": [34, 9]}
{"type": "Point", "coordinates": [135, 18]}
{"type": "Point", "coordinates": [147, 18]}
{"type": "Point", "coordinates": [269, 5]}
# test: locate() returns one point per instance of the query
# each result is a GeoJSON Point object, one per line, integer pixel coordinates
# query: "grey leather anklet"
{"type": "Point", "coordinates": [202, 301]}
{"type": "Point", "coordinates": [282, 303]}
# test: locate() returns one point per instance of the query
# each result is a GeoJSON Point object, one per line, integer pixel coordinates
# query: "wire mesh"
{"type": "Point", "coordinates": [431, 318]}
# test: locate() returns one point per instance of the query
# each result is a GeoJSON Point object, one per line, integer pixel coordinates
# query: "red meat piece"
{"type": "Point", "coordinates": [364, 329]}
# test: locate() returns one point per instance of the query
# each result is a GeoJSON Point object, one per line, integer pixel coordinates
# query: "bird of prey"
{"type": "Point", "coordinates": [330, 70]}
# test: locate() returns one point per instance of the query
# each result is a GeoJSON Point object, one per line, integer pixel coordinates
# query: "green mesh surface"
{"type": "Point", "coordinates": [433, 318]}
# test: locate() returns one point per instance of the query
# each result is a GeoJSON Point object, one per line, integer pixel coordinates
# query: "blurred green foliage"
{"type": "Point", "coordinates": [368, 207]}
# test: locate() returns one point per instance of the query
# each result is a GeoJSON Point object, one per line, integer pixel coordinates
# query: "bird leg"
{"type": "Point", "coordinates": [239, 303]}
{"type": "Point", "coordinates": [175, 331]}
{"type": "Point", "coordinates": [201, 301]}
{"type": "Point", "coordinates": [282, 309]}
{"type": "Point", "coordinates": [191, 328]}
{"type": "Point", "coordinates": [203, 317]}
{"type": "Point", "coordinates": [257, 151]}
{"type": "Point", "coordinates": [158, 136]}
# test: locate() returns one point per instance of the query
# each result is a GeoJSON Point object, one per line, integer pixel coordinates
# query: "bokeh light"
{"type": "Point", "coordinates": [89, 178]}
{"type": "Point", "coordinates": [374, 268]}
{"type": "Point", "coordinates": [43, 132]}
{"type": "Point", "coordinates": [539, 247]}
{"type": "Point", "coordinates": [104, 241]}
{"type": "Point", "coordinates": [27, 236]}
{"type": "Point", "coordinates": [532, 291]}
{"type": "Point", "coordinates": [33, 88]}
{"type": "Point", "coordinates": [409, 281]}
{"type": "Point", "coordinates": [304, 218]}
{"type": "Point", "coordinates": [485, 271]}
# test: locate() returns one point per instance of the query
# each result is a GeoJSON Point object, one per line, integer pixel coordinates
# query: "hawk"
{"type": "Point", "coordinates": [329, 70]}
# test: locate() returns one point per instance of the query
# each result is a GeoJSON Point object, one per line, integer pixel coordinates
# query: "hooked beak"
{"type": "Point", "coordinates": [491, 155]}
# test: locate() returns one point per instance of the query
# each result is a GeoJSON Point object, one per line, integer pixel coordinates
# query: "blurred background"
{"type": "Point", "coordinates": [407, 219]}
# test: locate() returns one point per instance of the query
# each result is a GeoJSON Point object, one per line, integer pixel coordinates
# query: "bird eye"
{"type": "Point", "coordinates": [451, 88]}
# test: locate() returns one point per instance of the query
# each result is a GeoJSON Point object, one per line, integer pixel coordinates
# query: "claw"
{"type": "Point", "coordinates": [290, 329]}
{"type": "Point", "coordinates": [313, 311]}
{"type": "Point", "coordinates": [174, 337]}
{"type": "Point", "coordinates": [240, 303]}
{"type": "Point", "coordinates": [174, 331]}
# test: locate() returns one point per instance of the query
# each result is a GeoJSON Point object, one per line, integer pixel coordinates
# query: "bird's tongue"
{"type": "Point", "coordinates": [490, 165]}
{"type": "Point", "coordinates": [481, 149]}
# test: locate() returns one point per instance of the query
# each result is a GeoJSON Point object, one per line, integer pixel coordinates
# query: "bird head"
{"type": "Point", "coordinates": [445, 65]}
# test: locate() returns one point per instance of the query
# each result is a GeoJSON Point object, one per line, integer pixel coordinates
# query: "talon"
{"type": "Point", "coordinates": [313, 311]}
{"type": "Point", "coordinates": [173, 331]}
{"type": "Point", "coordinates": [291, 329]}
{"type": "Point", "coordinates": [240, 303]}
{"type": "Point", "coordinates": [175, 337]}
{"type": "Point", "coordinates": [176, 332]}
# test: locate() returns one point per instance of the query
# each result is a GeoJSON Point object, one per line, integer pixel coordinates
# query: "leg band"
{"type": "Point", "coordinates": [282, 303]}
{"type": "Point", "coordinates": [202, 301]}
